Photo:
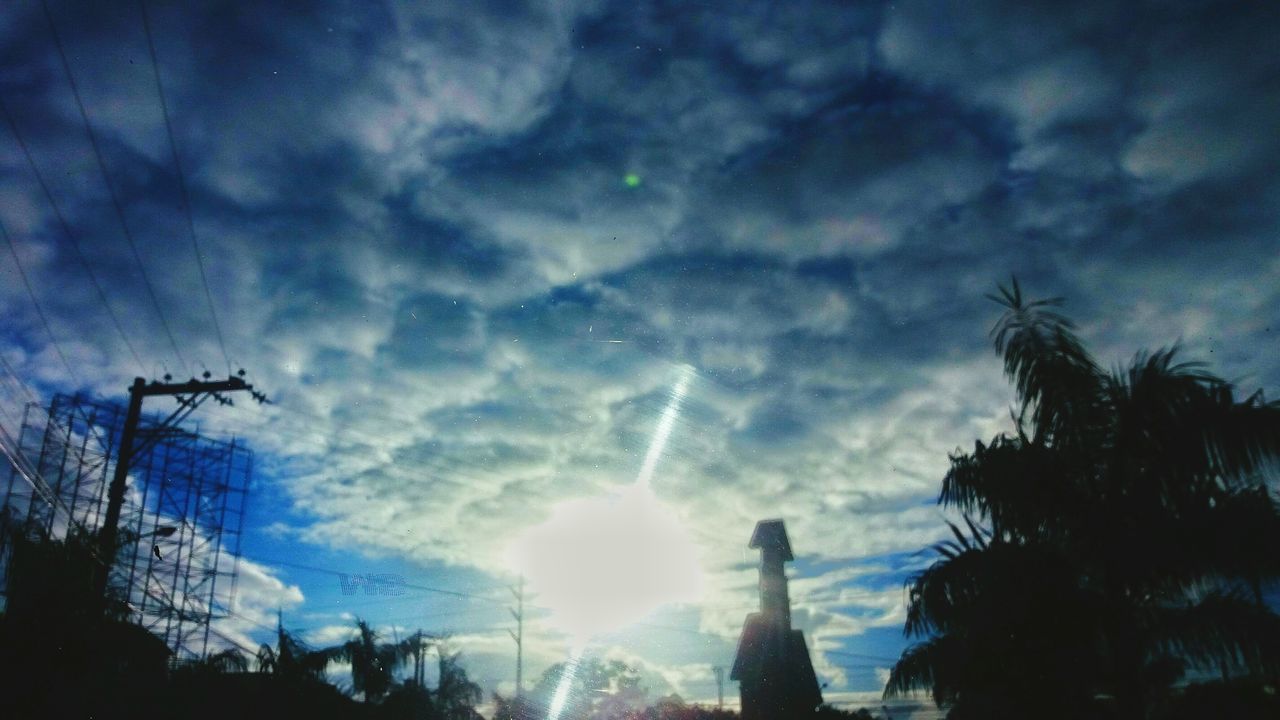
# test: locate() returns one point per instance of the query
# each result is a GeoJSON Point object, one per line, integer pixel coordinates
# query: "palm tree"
{"type": "Point", "coordinates": [231, 660]}
{"type": "Point", "coordinates": [1129, 536]}
{"type": "Point", "coordinates": [456, 694]}
{"type": "Point", "coordinates": [291, 659]}
{"type": "Point", "coordinates": [373, 663]}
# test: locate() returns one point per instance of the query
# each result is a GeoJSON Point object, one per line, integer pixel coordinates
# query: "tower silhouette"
{"type": "Point", "coordinates": [774, 673]}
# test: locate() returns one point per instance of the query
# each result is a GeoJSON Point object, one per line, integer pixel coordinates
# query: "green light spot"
{"type": "Point", "coordinates": [632, 180]}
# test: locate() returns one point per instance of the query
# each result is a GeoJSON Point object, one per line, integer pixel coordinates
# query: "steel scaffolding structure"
{"type": "Point", "coordinates": [182, 519]}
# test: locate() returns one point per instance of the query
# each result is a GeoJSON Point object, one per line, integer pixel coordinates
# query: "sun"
{"type": "Point", "coordinates": [601, 564]}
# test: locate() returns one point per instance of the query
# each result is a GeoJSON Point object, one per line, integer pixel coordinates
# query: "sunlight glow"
{"type": "Point", "coordinates": [600, 564]}
{"type": "Point", "coordinates": [604, 563]}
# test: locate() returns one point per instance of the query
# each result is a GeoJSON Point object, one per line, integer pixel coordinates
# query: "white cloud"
{"type": "Point", "coordinates": [409, 222]}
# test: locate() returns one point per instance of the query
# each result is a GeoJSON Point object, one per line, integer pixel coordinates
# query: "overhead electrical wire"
{"type": "Point", "coordinates": [39, 311]}
{"type": "Point", "coordinates": [12, 450]}
{"type": "Point", "coordinates": [284, 426]}
{"type": "Point", "coordinates": [106, 179]}
{"type": "Point", "coordinates": [26, 389]}
{"type": "Point", "coordinates": [232, 641]}
{"type": "Point", "coordinates": [411, 586]}
{"type": "Point", "coordinates": [66, 229]}
{"type": "Point", "coordinates": [182, 182]}
{"type": "Point", "coordinates": [19, 387]}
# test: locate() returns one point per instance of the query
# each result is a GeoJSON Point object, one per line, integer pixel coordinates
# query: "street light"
{"type": "Point", "coordinates": [161, 532]}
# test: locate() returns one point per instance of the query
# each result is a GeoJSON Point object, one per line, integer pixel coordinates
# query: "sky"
{"type": "Point", "coordinates": [480, 255]}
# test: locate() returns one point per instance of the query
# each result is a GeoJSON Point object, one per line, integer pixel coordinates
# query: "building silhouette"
{"type": "Point", "coordinates": [775, 676]}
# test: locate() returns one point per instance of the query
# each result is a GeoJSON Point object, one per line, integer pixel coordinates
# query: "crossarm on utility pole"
{"type": "Point", "coordinates": [140, 389]}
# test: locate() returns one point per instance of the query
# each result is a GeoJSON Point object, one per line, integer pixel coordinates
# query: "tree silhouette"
{"type": "Point", "coordinates": [408, 701]}
{"type": "Point", "coordinates": [65, 650]}
{"type": "Point", "coordinates": [1129, 537]}
{"type": "Point", "coordinates": [231, 660]}
{"type": "Point", "coordinates": [598, 690]}
{"type": "Point", "coordinates": [291, 659]}
{"type": "Point", "coordinates": [455, 695]}
{"type": "Point", "coordinates": [512, 708]}
{"type": "Point", "coordinates": [373, 663]}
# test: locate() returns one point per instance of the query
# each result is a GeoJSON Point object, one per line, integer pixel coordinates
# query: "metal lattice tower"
{"type": "Point", "coordinates": [181, 522]}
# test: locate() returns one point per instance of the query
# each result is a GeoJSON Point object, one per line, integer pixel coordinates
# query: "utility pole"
{"type": "Point", "coordinates": [419, 666]}
{"type": "Point", "coordinates": [518, 635]}
{"type": "Point", "coordinates": [417, 658]}
{"type": "Point", "coordinates": [719, 671]}
{"type": "Point", "coordinates": [190, 395]}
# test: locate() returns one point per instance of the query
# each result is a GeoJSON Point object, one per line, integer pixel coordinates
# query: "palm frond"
{"type": "Point", "coordinates": [1232, 538]}
{"type": "Point", "coordinates": [1224, 629]}
{"type": "Point", "coordinates": [919, 668]}
{"type": "Point", "coordinates": [1182, 434]}
{"type": "Point", "coordinates": [1021, 487]}
{"type": "Point", "coordinates": [455, 692]}
{"type": "Point", "coordinates": [226, 661]}
{"type": "Point", "coordinates": [1056, 379]}
{"type": "Point", "coordinates": [373, 663]}
{"type": "Point", "coordinates": [266, 659]}
{"type": "Point", "coordinates": [1123, 532]}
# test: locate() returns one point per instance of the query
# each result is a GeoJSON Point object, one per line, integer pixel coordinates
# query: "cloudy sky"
{"type": "Point", "coordinates": [476, 252]}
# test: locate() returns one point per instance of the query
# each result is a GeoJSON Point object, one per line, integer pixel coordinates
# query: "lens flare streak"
{"type": "Point", "coordinates": [562, 688]}
{"type": "Point", "coordinates": [660, 435]}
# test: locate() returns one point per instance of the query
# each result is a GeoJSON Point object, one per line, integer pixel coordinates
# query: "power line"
{"type": "Point", "coordinates": [182, 182]}
{"type": "Point", "coordinates": [20, 387]}
{"type": "Point", "coordinates": [66, 229]}
{"type": "Point", "coordinates": [386, 601]}
{"type": "Point", "coordinates": [41, 487]}
{"type": "Point", "coordinates": [31, 396]}
{"type": "Point", "coordinates": [5, 411]}
{"type": "Point", "coordinates": [40, 312]}
{"type": "Point", "coordinates": [314, 435]}
{"type": "Point", "coordinates": [864, 656]}
{"type": "Point", "coordinates": [397, 620]}
{"type": "Point", "coordinates": [224, 638]}
{"type": "Point", "coordinates": [424, 588]}
{"type": "Point", "coordinates": [251, 621]}
{"type": "Point", "coordinates": [106, 179]}
{"type": "Point", "coordinates": [33, 402]}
